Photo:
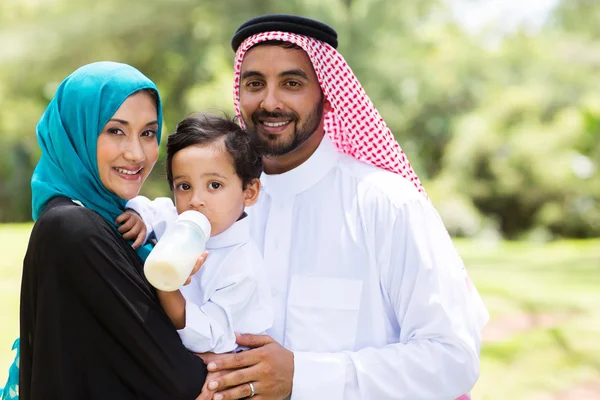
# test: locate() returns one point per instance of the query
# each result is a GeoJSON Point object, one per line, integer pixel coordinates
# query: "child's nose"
{"type": "Point", "coordinates": [197, 202]}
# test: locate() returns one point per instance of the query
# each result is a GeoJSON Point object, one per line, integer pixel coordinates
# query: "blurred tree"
{"type": "Point", "coordinates": [506, 133]}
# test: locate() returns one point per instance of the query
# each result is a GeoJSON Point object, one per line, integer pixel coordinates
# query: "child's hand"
{"type": "Point", "coordinates": [132, 228]}
{"type": "Point", "coordinates": [197, 266]}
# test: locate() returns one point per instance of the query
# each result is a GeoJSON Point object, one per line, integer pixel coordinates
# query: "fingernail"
{"type": "Point", "coordinates": [218, 396]}
{"type": "Point", "coordinates": [213, 385]}
{"type": "Point", "coordinates": [211, 366]}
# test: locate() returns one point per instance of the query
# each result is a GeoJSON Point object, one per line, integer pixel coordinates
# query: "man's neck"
{"type": "Point", "coordinates": [282, 164]}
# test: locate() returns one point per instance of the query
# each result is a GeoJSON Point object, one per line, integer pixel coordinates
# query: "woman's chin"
{"type": "Point", "coordinates": [126, 189]}
{"type": "Point", "coordinates": [127, 193]}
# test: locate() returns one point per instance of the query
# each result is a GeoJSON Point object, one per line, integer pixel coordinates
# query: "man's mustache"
{"type": "Point", "coordinates": [262, 115]}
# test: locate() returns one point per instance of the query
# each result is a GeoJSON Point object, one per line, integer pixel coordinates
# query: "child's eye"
{"type": "Point", "coordinates": [183, 186]}
{"type": "Point", "coordinates": [214, 185]}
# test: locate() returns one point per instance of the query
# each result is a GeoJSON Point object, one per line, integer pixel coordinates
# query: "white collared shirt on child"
{"type": "Point", "coordinates": [230, 294]}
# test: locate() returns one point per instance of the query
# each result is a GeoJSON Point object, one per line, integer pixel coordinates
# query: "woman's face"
{"type": "Point", "coordinates": [127, 146]}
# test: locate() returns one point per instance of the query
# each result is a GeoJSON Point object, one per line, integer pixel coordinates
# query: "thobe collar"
{"type": "Point", "coordinates": [237, 233]}
{"type": "Point", "coordinates": [305, 175]}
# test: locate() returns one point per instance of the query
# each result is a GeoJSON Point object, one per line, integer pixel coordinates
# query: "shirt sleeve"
{"type": "Point", "coordinates": [157, 214]}
{"type": "Point", "coordinates": [437, 353]}
{"type": "Point", "coordinates": [232, 304]}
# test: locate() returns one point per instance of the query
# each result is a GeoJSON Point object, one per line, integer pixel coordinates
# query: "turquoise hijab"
{"type": "Point", "coordinates": [68, 134]}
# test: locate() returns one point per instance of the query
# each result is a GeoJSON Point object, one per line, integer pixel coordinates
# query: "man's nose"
{"type": "Point", "coordinates": [271, 102]}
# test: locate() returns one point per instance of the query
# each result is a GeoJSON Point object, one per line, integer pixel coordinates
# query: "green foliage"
{"type": "Point", "coordinates": [527, 154]}
{"type": "Point", "coordinates": [505, 133]}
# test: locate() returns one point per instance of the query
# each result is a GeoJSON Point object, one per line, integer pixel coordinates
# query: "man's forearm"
{"type": "Point", "coordinates": [421, 369]}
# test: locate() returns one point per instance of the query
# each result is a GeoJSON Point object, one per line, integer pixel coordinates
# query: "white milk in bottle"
{"type": "Point", "coordinates": [172, 259]}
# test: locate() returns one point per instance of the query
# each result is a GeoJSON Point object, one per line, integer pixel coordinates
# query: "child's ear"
{"type": "Point", "coordinates": [251, 192]}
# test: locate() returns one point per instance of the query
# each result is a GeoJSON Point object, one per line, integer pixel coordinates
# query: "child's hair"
{"type": "Point", "coordinates": [203, 129]}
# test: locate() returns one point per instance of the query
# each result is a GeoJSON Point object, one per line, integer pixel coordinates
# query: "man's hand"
{"type": "Point", "coordinates": [268, 365]}
{"type": "Point", "coordinates": [206, 394]}
{"type": "Point", "coordinates": [132, 228]}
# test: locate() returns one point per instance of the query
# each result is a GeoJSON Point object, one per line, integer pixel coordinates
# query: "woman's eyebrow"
{"type": "Point", "coordinates": [122, 121]}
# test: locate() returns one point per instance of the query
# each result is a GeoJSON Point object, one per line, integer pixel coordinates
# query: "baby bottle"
{"type": "Point", "coordinates": [172, 259]}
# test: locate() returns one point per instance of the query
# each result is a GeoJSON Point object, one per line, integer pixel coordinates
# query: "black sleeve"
{"type": "Point", "coordinates": [113, 310]}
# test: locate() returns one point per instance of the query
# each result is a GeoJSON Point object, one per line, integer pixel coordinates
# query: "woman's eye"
{"type": "Point", "coordinates": [215, 185]}
{"type": "Point", "coordinates": [115, 131]}
{"type": "Point", "coordinates": [149, 133]}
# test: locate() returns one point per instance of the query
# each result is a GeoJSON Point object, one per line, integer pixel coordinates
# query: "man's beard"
{"type": "Point", "coordinates": [271, 144]}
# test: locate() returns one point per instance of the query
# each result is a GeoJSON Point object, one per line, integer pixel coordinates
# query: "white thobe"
{"type": "Point", "coordinates": [368, 290]}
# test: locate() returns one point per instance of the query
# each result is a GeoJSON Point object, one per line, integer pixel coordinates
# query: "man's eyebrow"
{"type": "Point", "coordinates": [294, 72]}
{"type": "Point", "coordinates": [252, 73]}
{"type": "Point", "coordinates": [257, 74]}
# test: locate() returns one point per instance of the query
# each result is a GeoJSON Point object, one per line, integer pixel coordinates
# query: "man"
{"type": "Point", "coordinates": [371, 299]}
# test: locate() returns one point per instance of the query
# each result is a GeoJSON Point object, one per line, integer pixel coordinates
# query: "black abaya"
{"type": "Point", "coordinates": [91, 325]}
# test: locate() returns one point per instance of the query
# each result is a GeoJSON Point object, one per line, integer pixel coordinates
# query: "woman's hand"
{"type": "Point", "coordinates": [132, 227]}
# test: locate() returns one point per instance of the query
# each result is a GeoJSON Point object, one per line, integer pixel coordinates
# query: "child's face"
{"type": "Point", "coordinates": [204, 180]}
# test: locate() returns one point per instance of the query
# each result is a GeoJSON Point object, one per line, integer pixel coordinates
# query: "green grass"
{"type": "Point", "coordinates": [524, 278]}
{"type": "Point", "coordinates": [513, 278]}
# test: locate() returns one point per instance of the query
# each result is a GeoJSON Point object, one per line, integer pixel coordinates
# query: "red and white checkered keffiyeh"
{"type": "Point", "coordinates": [353, 124]}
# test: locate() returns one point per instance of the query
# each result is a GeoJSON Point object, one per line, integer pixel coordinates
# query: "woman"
{"type": "Point", "coordinates": [91, 325]}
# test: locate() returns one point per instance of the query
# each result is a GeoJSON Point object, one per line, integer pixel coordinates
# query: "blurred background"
{"type": "Point", "coordinates": [495, 102]}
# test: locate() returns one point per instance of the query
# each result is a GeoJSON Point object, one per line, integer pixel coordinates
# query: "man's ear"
{"type": "Point", "coordinates": [326, 106]}
{"type": "Point", "coordinates": [251, 192]}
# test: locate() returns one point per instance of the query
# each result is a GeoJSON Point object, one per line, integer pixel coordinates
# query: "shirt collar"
{"type": "Point", "coordinates": [236, 234]}
{"type": "Point", "coordinates": [305, 175]}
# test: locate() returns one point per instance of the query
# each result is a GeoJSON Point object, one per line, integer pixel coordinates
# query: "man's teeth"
{"type": "Point", "coordinates": [275, 124]}
{"type": "Point", "coordinates": [126, 171]}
